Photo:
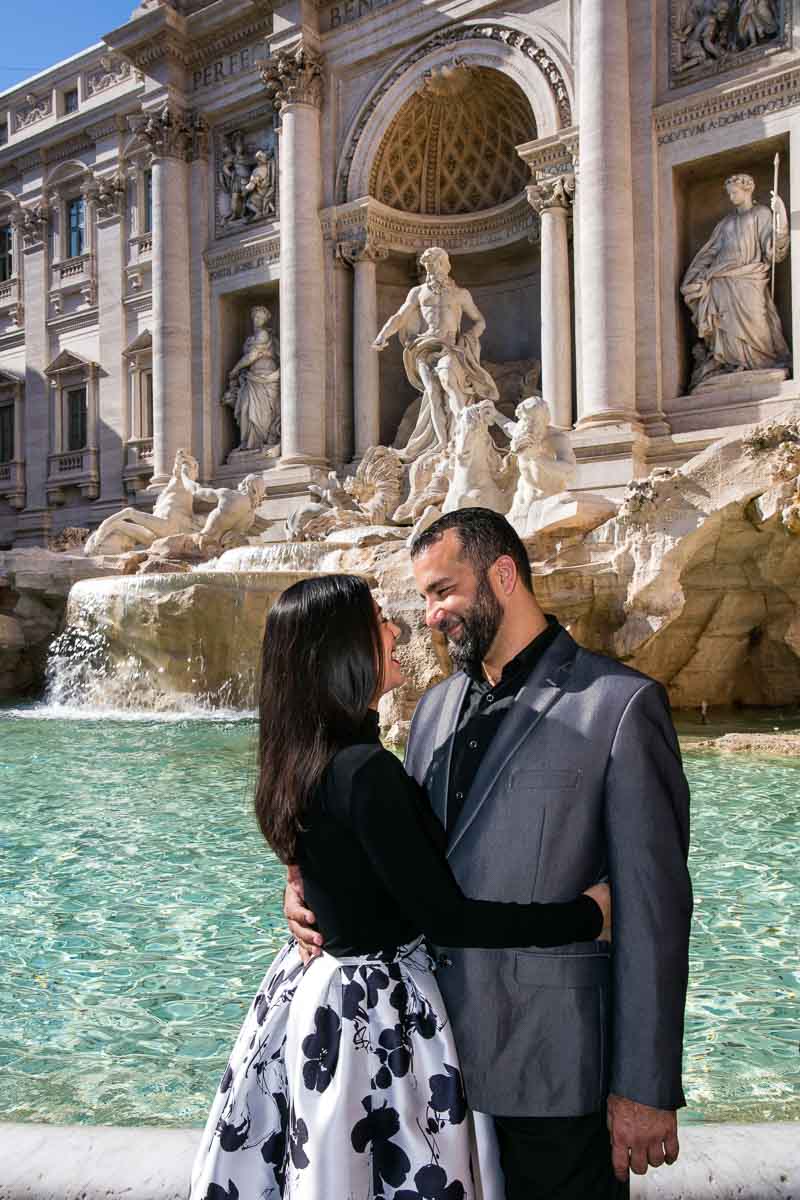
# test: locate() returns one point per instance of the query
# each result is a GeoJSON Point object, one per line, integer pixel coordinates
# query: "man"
{"type": "Point", "coordinates": [440, 361]}
{"type": "Point", "coordinates": [551, 767]}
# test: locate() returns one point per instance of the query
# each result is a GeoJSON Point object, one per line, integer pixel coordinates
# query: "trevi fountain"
{"type": "Point", "coordinates": [691, 576]}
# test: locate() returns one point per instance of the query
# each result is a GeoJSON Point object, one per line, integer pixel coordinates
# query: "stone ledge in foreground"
{"type": "Point", "coordinates": [51, 1162]}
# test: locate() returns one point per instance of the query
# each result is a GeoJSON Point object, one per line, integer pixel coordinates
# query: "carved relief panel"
{"type": "Point", "coordinates": [710, 37]}
{"type": "Point", "coordinates": [245, 172]}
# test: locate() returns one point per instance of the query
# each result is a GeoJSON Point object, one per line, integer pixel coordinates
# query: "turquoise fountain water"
{"type": "Point", "coordinates": [141, 909]}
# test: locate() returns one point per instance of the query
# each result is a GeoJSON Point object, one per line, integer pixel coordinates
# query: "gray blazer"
{"type": "Point", "coordinates": [583, 780]}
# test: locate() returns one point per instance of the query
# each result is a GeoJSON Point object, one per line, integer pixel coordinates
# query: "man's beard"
{"type": "Point", "coordinates": [480, 624]}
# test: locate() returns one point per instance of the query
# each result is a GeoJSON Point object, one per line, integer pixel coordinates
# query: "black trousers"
{"type": "Point", "coordinates": [558, 1158]}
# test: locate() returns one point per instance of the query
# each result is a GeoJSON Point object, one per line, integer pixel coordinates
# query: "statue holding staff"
{"type": "Point", "coordinates": [727, 287]}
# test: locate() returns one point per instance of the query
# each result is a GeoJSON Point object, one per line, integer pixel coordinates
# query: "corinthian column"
{"type": "Point", "coordinates": [605, 214]}
{"type": "Point", "coordinates": [294, 81]}
{"type": "Point", "coordinates": [552, 196]}
{"type": "Point", "coordinates": [175, 137]}
{"type": "Point", "coordinates": [363, 257]}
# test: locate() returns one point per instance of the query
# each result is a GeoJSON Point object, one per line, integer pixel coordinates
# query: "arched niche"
{"type": "Point", "coordinates": [520, 57]}
{"type": "Point", "coordinates": [451, 149]}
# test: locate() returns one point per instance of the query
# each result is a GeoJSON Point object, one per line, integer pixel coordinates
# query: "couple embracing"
{"type": "Point", "coordinates": [452, 1019]}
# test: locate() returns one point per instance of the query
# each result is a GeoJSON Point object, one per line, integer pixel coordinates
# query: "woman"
{"type": "Point", "coordinates": [344, 1083]}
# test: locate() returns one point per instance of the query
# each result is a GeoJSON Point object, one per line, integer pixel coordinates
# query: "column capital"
{"type": "Point", "coordinates": [365, 249]}
{"type": "Point", "coordinates": [172, 132]}
{"type": "Point", "coordinates": [551, 192]}
{"type": "Point", "coordinates": [293, 77]}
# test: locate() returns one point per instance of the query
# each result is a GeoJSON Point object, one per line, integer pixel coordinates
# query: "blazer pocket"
{"type": "Point", "coordinates": [566, 998]}
{"type": "Point", "coordinates": [547, 778]}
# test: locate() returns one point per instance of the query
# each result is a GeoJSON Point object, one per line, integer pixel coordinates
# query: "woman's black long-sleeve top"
{"type": "Point", "coordinates": [372, 857]}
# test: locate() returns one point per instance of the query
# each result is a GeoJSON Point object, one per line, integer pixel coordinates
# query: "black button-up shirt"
{"type": "Point", "coordinates": [485, 706]}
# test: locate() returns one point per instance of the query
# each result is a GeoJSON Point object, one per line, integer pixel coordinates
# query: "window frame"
{"type": "Point", "coordinates": [7, 256]}
{"type": "Point", "coordinates": [75, 203]}
{"type": "Point", "coordinates": [8, 406]}
{"type": "Point", "coordinates": [81, 390]}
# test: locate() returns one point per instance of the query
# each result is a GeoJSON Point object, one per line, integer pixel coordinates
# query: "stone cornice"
{"type": "Point", "coordinates": [410, 233]}
{"type": "Point", "coordinates": [231, 39]}
{"type": "Point", "coordinates": [293, 77]}
{"type": "Point", "coordinates": [221, 264]}
{"type": "Point", "coordinates": [727, 105]}
{"type": "Point", "coordinates": [166, 34]}
{"type": "Point", "coordinates": [553, 155]}
{"type": "Point", "coordinates": [245, 117]}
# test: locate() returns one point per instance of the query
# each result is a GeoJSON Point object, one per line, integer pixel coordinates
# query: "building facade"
{"type": "Point", "coordinates": [207, 159]}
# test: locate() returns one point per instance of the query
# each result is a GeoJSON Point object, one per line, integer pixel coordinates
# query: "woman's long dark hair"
{"type": "Point", "coordinates": [321, 666]}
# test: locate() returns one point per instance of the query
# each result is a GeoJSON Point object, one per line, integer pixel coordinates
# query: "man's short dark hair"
{"type": "Point", "coordinates": [484, 535]}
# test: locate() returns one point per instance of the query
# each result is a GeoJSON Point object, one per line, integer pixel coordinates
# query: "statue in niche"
{"type": "Point", "coordinates": [254, 388]}
{"type": "Point", "coordinates": [727, 288]}
{"type": "Point", "coordinates": [441, 361]}
{"type": "Point", "coordinates": [246, 182]}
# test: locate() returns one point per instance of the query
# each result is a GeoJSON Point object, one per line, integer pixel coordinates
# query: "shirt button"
{"type": "Point", "coordinates": [459, 795]}
{"type": "Point", "coordinates": [489, 698]}
{"type": "Point", "coordinates": [473, 745]}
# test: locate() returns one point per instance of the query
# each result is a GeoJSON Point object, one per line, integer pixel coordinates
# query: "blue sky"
{"type": "Point", "coordinates": [38, 33]}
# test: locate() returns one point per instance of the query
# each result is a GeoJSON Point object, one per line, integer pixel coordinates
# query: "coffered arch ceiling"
{"type": "Point", "coordinates": [451, 148]}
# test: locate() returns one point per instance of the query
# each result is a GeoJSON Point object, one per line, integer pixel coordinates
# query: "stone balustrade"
{"type": "Point", "coordinates": [12, 483]}
{"type": "Point", "coordinates": [73, 468]}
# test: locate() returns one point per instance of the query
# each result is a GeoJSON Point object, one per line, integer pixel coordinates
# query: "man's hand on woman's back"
{"type": "Point", "coordinates": [301, 920]}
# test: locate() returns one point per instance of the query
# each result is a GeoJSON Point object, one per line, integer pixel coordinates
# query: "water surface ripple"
{"type": "Point", "coordinates": [141, 908]}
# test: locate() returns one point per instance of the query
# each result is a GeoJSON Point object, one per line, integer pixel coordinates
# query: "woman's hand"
{"type": "Point", "coordinates": [601, 894]}
{"type": "Point", "coordinates": [299, 918]}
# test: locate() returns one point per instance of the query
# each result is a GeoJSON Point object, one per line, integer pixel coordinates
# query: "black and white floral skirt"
{"type": "Point", "coordinates": [344, 1084]}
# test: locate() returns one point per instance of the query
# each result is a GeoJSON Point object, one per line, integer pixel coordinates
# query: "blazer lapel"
{"type": "Point", "coordinates": [438, 778]}
{"type": "Point", "coordinates": [533, 701]}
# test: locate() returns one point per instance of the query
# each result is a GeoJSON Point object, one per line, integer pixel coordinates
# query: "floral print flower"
{"type": "Point", "coordinates": [321, 1049]}
{"type": "Point", "coordinates": [274, 1149]}
{"type": "Point", "coordinates": [390, 1163]}
{"type": "Point", "coordinates": [298, 1136]}
{"type": "Point", "coordinates": [394, 1054]}
{"type": "Point", "coordinates": [447, 1094]}
{"type": "Point", "coordinates": [216, 1192]}
{"type": "Point", "coordinates": [233, 1137]}
{"type": "Point", "coordinates": [431, 1184]}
